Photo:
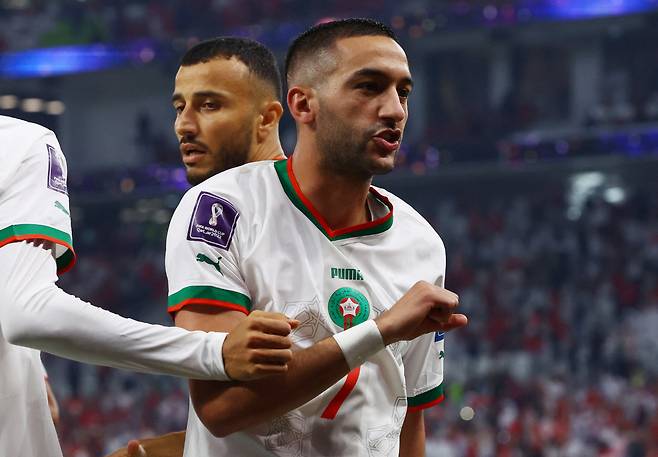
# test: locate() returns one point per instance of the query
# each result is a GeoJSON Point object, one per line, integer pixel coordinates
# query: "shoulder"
{"type": "Point", "coordinates": [238, 185]}
{"type": "Point", "coordinates": [28, 147]}
{"type": "Point", "coordinates": [22, 141]}
{"type": "Point", "coordinates": [407, 219]}
{"type": "Point", "coordinates": [219, 201]}
{"type": "Point", "coordinates": [16, 132]}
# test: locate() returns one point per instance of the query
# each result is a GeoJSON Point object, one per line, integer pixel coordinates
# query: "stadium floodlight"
{"type": "Point", "coordinates": [32, 105]}
{"type": "Point", "coordinates": [55, 107]}
{"type": "Point", "coordinates": [8, 102]}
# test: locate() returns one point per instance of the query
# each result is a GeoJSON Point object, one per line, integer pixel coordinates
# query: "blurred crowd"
{"type": "Point", "coordinates": [559, 358]}
{"type": "Point", "coordinates": [63, 22]}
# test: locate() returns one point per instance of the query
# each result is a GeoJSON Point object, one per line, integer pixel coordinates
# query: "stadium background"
{"type": "Point", "coordinates": [532, 147]}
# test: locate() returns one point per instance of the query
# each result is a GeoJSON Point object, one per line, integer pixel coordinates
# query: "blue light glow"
{"type": "Point", "coordinates": [63, 60]}
{"type": "Point", "coordinates": [582, 9]}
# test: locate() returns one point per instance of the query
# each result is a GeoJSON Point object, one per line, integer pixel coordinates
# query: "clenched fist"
{"type": "Point", "coordinates": [423, 309]}
{"type": "Point", "coordinates": [258, 346]}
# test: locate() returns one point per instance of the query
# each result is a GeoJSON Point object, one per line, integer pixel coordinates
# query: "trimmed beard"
{"type": "Point", "coordinates": [343, 148]}
{"type": "Point", "coordinates": [230, 155]}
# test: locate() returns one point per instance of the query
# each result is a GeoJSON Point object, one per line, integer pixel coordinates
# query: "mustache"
{"type": "Point", "coordinates": [187, 141]}
{"type": "Point", "coordinates": [384, 126]}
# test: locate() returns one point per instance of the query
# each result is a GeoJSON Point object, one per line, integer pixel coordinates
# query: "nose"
{"type": "Point", "coordinates": [392, 109]}
{"type": "Point", "coordinates": [186, 125]}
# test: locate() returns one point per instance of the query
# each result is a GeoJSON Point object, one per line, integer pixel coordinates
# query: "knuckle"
{"type": "Point", "coordinates": [285, 342]}
{"type": "Point", "coordinates": [252, 339]}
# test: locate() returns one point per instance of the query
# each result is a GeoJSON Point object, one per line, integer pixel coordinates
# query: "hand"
{"type": "Point", "coordinates": [134, 449]}
{"type": "Point", "coordinates": [423, 309]}
{"type": "Point", "coordinates": [258, 346]}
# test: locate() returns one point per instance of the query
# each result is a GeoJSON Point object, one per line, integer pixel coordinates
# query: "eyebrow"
{"type": "Point", "coordinates": [201, 94]}
{"type": "Point", "coordinates": [375, 73]}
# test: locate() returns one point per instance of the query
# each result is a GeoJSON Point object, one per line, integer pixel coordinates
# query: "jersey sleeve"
{"type": "Point", "coordinates": [34, 202]}
{"type": "Point", "coordinates": [201, 259]}
{"type": "Point", "coordinates": [423, 363]}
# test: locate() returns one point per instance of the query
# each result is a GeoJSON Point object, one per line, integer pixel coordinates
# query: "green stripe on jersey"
{"type": "Point", "coordinates": [281, 168]}
{"type": "Point", "coordinates": [211, 294]}
{"type": "Point", "coordinates": [426, 397]}
{"type": "Point", "coordinates": [65, 261]}
{"type": "Point", "coordinates": [36, 231]}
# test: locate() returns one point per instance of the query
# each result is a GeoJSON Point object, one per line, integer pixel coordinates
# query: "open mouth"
{"type": "Point", "coordinates": [388, 139]}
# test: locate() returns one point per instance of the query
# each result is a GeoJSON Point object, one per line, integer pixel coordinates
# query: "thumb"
{"type": "Point", "coordinates": [135, 449]}
{"type": "Point", "coordinates": [454, 321]}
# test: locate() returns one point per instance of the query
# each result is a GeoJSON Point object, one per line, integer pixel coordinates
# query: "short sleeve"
{"type": "Point", "coordinates": [202, 252]}
{"type": "Point", "coordinates": [34, 202]}
{"type": "Point", "coordinates": [423, 371]}
{"type": "Point", "coordinates": [423, 363]}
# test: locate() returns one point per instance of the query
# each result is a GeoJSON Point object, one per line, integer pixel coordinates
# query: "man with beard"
{"type": "Point", "coordinates": [226, 98]}
{"type": "Point", "coordinates": [311, 238]}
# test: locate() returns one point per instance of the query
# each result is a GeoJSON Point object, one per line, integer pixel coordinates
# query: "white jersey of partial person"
{"type": "Point", "coordinates": [33, 204]}
{"type": "Point", "coordinates": [36, 314]}
{"type": "Point", "coordinates": [248, 239]}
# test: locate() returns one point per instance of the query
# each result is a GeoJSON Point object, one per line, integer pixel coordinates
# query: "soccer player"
{"type": "Point", "coordinates": [226, 97]}
{"type": "Point", "coordinates": [311, 237]}
{"type": "Point", "coordinates": [35, 246]}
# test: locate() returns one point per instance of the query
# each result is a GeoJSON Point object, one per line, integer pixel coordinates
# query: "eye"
{"type": "Point", "coordinates": [404, 93]}
{"type": "Point", "coordinates": [368, 86]}
{"type": "Point", "coordinates": [209, 106]}
{"type": "Point", "coordinates": [179, 108]}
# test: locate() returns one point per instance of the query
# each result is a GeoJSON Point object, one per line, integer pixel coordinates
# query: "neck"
{"type": "Point", "coordinates": [341, 200]}
{"type": "Point", "coordinates": [269, 149]}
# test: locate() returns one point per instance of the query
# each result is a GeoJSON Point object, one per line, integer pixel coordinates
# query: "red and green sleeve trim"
{"type": "Point", "coordinates": [22, 232]}
{"type": "Point", "coordinates": [208, 296]}
{"type": "Point", "coordinates": [426, 400]}
{"type": "Point", "coordinates": [291, 188]}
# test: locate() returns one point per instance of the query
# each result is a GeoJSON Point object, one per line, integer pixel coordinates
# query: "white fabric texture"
{"type": "Point", "coordinates": [34, 312]}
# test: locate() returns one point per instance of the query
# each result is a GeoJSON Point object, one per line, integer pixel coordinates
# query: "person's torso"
{"type": "Point", "coordinates": [329, 281]}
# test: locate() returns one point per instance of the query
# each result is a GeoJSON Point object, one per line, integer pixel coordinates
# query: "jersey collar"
{"type": "Point", "coordinates": [293, 191]}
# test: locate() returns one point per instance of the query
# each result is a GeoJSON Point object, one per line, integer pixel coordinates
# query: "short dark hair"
{"type": "Point", "coordinates": [258, 59]}
{"type": "Point", "coordinates": [323, 36]}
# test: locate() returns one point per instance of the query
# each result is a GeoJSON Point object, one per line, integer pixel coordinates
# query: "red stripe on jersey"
{"type": "Point", "coordinates": [334, 405]}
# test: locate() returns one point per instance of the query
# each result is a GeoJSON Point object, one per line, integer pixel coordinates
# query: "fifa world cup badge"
{"type": "Point", "coordinates": [56, 171]}
{"type": "Point", "coordinates": [348, 307]}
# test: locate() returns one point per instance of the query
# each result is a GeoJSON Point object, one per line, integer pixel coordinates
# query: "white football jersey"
{"type": "Point", "coordinates": [248, 239]}
{"type": "Point", "coordinates": [33, 204]}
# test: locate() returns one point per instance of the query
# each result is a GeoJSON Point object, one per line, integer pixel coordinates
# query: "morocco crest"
{"type": "Point", "coordinates": [348, 307]}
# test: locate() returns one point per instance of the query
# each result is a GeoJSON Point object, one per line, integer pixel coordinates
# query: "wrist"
{"type": "Point", "coordinates": [385, 331]}
{"type": "Point", "coordinates": [360, 343]}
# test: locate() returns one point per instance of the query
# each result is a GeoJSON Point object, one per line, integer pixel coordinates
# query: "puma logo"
{"type": "Point", "coordinates": [205, 259]}
{"type": "Point", "coordinates": [61, 207]}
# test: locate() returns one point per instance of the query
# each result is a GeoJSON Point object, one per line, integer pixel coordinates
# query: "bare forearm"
{"type": "Point", "coordinates": [310, 373]}
{"type": "Point", "coordinates": [412, 438]}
